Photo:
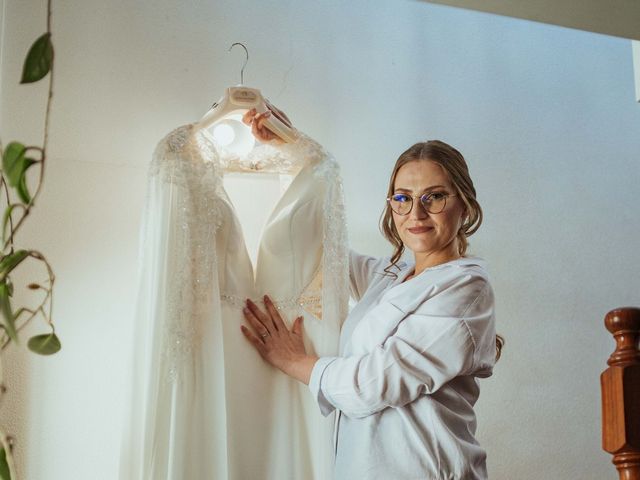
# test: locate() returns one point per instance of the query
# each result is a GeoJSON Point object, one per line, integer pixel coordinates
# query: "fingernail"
{"type": "Point", "coordinates": [245, 310]}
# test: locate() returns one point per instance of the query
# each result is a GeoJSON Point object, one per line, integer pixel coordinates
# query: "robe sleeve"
{"type": "Point", "coordinates": [362, 271]}
{"type": "Point", "coordinates": [425, 352]}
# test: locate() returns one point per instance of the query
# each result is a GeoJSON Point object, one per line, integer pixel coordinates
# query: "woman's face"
{"type": "Point", "coordinates": [431, 236]}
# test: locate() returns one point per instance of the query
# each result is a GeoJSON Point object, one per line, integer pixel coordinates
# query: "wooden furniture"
{"type": "Point", "coordinates": [620, 385]}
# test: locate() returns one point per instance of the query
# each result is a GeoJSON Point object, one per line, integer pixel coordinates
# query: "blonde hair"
{"type": "Point", "coordinates": [454, 164]}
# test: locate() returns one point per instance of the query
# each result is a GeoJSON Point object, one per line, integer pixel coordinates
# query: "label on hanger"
{"type": "Point", "coordinates": [240, 96]}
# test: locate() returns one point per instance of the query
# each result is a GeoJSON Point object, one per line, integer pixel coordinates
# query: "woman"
{"type": "Point", "coordinates": [417, 341]}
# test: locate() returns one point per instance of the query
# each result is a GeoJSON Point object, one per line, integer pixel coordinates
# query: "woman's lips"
{"type": "Point", "coordinates": [419, 229]}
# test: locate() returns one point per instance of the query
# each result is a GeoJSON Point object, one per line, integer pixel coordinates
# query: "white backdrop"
{"type": "Point", "coordinates": [545, 116]}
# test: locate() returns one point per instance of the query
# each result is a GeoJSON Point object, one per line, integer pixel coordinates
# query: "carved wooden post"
{"type": "Point", "coordinates": [620, 385]}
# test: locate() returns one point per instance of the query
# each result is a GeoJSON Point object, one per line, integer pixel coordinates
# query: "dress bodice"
{"type": "Point", "coordinates": [290, 247]}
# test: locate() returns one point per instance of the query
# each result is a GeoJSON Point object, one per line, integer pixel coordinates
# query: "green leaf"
{"type": "Point", "coordinates": [5, 220]}
{"type": "Point", "coordinates": [13, 155]}
{"type": "Point", "coordinates": [17, 173]}
{"type": "Point", "coordinates": [7, 314]}
{"type": "Point", "coordinates": [23, 190]}
{"type": "Point", "coordinates": [5, 473]}
{"type": "Point", "coordinates": [46, 344]}
{"type": "Point", "coordinates": [9, 262]}
{"type": "Point", "coordinates": [15, 166]}
{"type": "Point", "coordinates": [39, 59]}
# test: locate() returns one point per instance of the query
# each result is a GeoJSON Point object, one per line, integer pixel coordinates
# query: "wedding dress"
{"type": "Point", "coordinates": [204, 405]}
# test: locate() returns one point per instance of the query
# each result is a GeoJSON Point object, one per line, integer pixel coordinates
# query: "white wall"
{"type": "Point", "coordinates": [545, 116]}
{"type": "Point", "coordinates": [636, 66]}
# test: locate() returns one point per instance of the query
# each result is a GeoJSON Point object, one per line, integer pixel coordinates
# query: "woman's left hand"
{"type": "Point", "coordinates": [279, 346]}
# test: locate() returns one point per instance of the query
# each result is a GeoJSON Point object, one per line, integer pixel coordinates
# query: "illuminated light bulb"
{"type": "Point", "coordinates": [224, 134]}
{"type": "Point", "coordinates": [234, 136]}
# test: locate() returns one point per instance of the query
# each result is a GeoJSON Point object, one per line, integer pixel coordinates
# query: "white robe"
{"type": "Point", "coordinates": [204, 405]}
{"type": "Point", "coordinates": [406, 381]}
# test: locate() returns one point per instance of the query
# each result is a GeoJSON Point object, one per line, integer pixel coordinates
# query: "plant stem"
{"type": "Point", "coordinates": [4, 439]}
{"type": "Point", "coordinates": [48, 16]}
{"type": "Point", "coordinates": [50, 95]}
{"type": "Point", "coordinates": [27, 208]}
{"type": "Point", "coordinates": [6, 191]}
{"type": "Point", "coordinates": [38, 256]}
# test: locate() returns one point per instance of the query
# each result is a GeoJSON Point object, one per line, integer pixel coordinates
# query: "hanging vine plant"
{"type": "Point", "coordinates": [17, 160]}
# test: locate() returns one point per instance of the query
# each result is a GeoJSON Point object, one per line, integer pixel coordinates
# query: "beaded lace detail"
{"type": "Point", "coordinates": [282, 304]}
{"type": "Point", "coordinates": [335, 256]}
{"type": "Point", "coordinates": [189, 161]}
{"type": "Point", "coordinates": [310, 298]}
{"type": "Point", "coordinates": [189, 166]}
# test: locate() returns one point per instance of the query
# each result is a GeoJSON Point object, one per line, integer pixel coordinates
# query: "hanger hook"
{"type": "Point", "coordinates": [245, 61]}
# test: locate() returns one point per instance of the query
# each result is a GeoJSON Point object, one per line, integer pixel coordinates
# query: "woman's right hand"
{"type": "Point", "coordinates": [276, 344]}
{"type": "Point", "coordinates": [256, 121]}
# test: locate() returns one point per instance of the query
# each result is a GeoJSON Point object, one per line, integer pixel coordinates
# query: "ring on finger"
{"type": "Point", "coordinates": [264, 335]}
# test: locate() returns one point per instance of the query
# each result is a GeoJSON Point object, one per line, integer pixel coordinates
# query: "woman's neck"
{"type": "Point", "coordinates": [432, 259]}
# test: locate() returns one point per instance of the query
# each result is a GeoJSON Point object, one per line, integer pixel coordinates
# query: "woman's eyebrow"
{"type": "Point", "coordinates": [398, 189]}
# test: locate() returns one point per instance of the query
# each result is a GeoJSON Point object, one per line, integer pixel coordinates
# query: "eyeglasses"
{"type": "Point", "coordinates": [401, 203]}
